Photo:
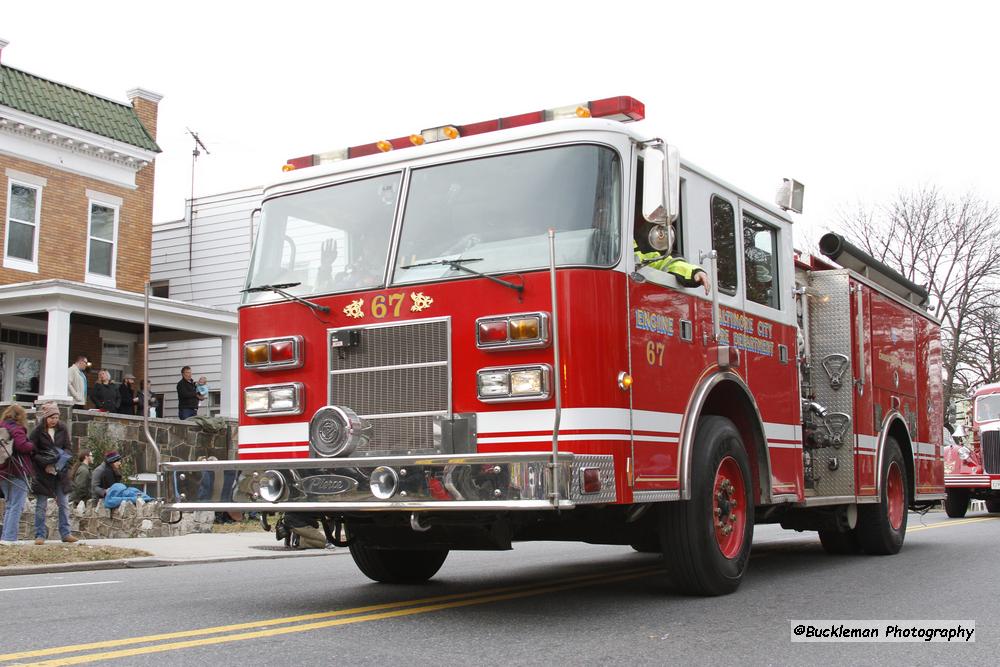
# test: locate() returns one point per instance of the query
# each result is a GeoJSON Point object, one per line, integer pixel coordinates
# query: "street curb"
{"type": "Point", "coordinates": [154, 561]}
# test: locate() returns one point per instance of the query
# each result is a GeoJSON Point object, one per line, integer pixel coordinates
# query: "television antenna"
{"type": "Point", "coordinates": [195, 153]}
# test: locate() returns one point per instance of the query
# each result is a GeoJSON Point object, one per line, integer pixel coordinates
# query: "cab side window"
{"type": "Point", "coordinates": [760, 261]}
{"type": "Point", "coordinates": [724, 244]}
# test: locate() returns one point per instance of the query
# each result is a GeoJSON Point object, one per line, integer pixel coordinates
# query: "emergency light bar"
{"type": "Point", "coordinates": [623, 109]}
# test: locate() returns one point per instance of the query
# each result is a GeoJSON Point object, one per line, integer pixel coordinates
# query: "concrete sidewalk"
{"type": "Point", "coordinates": [181, 550]}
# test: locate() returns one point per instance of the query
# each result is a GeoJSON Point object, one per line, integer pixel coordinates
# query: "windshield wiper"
{"type": "Point", "coordinates": [280, 288]}
{"type": "Point", "coordinates": [457, 264]}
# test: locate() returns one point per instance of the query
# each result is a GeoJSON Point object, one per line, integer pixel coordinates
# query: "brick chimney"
{"type": "Point", "coordinates": [145, 103]}
{"type": "Point", "coordinates": [3, 44]}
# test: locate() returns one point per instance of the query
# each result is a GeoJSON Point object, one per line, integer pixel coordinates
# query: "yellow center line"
{"type": "Point", "coordinates": [305, 627]}
{"type": "Point", "coordinates": [112, 643]}
{"type": "Point", "coordinates": [947, 524]}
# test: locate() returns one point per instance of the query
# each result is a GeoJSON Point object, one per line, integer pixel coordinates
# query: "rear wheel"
{"type": "Point", "coordinates": [956, 503]}
{"type": "Point", "coordinates": [993, 506]}
{"type": "Point", "coordinates": [882, 526]}
{"type": "Point", "coordinates": [397, 566]}
{"type": "Point", "coordinates": [840, 543]}
{"type": "Point", "coordinates": [706, 540]}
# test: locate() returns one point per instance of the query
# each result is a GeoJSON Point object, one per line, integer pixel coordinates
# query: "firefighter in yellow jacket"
{"type": "Point", "coordinates": [686, 273]}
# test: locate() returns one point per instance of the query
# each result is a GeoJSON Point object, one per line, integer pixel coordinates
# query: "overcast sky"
{"type": "Point", "coordinates": [855, 99]}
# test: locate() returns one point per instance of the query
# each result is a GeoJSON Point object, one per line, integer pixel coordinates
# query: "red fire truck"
{"type": "Point", "coordinates": [974, 472]}
{"type": "Point", "coordinates": [448, 343]}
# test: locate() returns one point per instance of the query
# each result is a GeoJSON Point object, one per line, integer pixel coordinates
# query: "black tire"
{"type": "Point", "coordinates": [397, 566]}
{"type": "Point", "coordinates": [694, 558]}
{"type": "Point", "coordinates": [840, 543]}
{"type": "Point", "coordinates": [956, 503]}
{"type": "Point", "coordinates": [993, 505]}
{"type": "Point", "coordinates": [875, 531]}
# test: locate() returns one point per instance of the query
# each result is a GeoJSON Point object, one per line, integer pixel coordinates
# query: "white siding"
{"type": "Point", "coordinates": [205, 263]}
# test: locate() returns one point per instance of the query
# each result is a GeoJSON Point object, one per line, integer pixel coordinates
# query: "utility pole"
{"type": "Point", "coordinates": [194, 156]}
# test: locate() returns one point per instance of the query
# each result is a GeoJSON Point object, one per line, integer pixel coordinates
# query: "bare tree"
{"type": "Point", "coordinates": [950, 245]}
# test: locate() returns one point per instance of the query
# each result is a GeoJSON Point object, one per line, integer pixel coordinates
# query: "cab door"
{"type": "Point", "coordinates": [671, 337]}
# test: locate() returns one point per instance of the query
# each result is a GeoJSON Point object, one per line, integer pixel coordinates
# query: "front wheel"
{"type": "Point", "coordinates": [397, 566]}
{"type": "Point", "coordinates": [706, 540]}
{"type": "Point", "coordinates": [956, 503]}
{"type": "Point", "coordinates": [882, 526]}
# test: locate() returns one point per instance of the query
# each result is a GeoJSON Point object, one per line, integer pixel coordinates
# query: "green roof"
{"type": "Point", "coordinates": [74, 107]}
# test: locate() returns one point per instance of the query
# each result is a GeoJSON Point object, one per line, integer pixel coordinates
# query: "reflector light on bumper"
{"type": "Point", "coordinates": [517, 383]}
{"type": "Point", "coordinates": [274, 399]}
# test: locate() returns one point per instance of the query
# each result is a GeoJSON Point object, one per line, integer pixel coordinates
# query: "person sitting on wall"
{"type": "Point", "coordinates": [80, 474]}
{"type": "Point", "coordinates": [106, 475]}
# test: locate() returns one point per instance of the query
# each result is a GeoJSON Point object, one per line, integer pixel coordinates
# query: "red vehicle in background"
{"type": "Point", "coordinates": [450, 343]}
{"type": "Point", "coordinates": [973, 472]}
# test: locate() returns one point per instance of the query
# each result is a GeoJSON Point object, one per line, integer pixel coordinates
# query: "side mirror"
{"type": "Point", "coordinates": [661, 183]}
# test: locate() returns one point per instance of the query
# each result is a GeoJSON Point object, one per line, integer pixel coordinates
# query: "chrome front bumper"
{"type": "Point", "coordinates": [483, 482]}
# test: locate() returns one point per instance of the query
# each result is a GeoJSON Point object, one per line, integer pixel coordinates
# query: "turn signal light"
{"type": "Point", "coordinates": [255, 354]}
{"type": "Point", "coordinates": [288, 167]}
{"type": "Point", "coordinates": [525, 328]}
{"type": "Point", "coordinates": [493, 331]}
{"type": "Point", "coordinates": [384, 145]}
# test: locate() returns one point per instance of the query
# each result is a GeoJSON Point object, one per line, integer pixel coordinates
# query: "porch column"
{"type": "Point", "coordinates": [55, 386]}
{"type": "Point", "coordinates": [229, 394]}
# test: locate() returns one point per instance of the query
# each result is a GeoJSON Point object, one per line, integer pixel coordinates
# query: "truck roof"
{"type": "Point", "coordinates": [311, 176]}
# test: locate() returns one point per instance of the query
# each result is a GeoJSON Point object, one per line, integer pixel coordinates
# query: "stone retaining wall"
{"type": "Point", "coordinates": [92, 520]}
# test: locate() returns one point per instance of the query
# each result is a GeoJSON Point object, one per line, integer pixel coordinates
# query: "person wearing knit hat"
{"type": "Point", "coordinates": [51, 458]}
{"type": "Point", "coordinates": [106, 474]}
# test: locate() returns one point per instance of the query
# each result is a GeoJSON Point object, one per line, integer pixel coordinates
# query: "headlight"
{"type": "Point", "coordinates": [278, 399]}
{"type": "Point", "coordinates": [272, 487]}
{"type": "Point", "coordinates": [964, 453]}
{"type": "Point", "coordinates": [494, 384]}
{"type": "Point", "coordinates": [520, 383]}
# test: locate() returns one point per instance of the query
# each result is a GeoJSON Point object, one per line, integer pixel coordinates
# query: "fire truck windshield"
{"type": "Point", "coordinates": [333, 239]}
{"type": "Point", "coordinates": [497, 210]}
{"type": "Point", "coordinates": [988, 408]}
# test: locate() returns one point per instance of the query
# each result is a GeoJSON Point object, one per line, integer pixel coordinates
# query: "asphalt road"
{"type": "Point", "coordinates": [542, 603]}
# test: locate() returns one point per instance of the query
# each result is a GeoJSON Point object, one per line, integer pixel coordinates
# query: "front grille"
{"type": "Point", "coordinates": [991, 452]}
{"type": "Point", "coordinates": [401, 369]}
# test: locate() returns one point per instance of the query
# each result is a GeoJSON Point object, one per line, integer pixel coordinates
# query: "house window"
{"type": "Point", "coordinates": [116, 358]}
{"type": "Point", "coordinates": [214, 403]}
{"type": "Point", "coordinates": [101, 243]}
{"type": "Point", "coordinates": [160, 288]}
{"type": "Point", "coordinates": [24, 202]}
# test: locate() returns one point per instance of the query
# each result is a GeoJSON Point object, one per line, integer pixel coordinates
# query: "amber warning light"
{"type": "Point", "coordinates": [624, 109]}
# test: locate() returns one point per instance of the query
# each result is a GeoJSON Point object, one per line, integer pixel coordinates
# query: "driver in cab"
{"type": "Point", "coordinates": [662, 236]}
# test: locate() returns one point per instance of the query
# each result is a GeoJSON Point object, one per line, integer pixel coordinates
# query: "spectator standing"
{"type": "Point", "coordinates": [187, 395]}
{"type": "Point", "coordinates": [106, 474]}
{"type": "Point", "coordinates": [154, 403]}
{"type": "Point", "coordinates": [51, 459]}
{"type": "Point", "coordinates": [77, 381]}
{"type": "Point", "coordinates": [16, 473]}
{"type": "Point", "coordinates": [105, 394]}
{"type": "Point", "coordinates": [128, 399]}
{"type": "Point", "coordinates": [81, 477]}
